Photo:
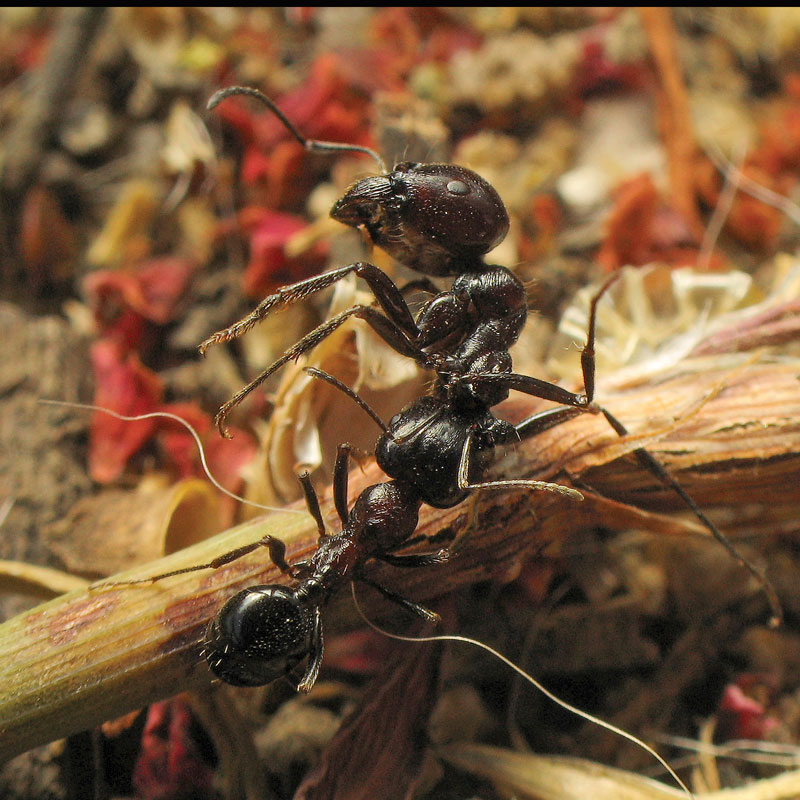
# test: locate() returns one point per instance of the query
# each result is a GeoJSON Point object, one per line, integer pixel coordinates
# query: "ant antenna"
{"type": "Point", "coordinates": [311, 145]}
{"type": "Point", "coordinates": [192, 431]}
{"type": "Point", "coordinates": [526, 676]}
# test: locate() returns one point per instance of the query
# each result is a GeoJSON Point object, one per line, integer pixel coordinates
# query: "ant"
{"type": "Point", "coordinates": [440, 220]}
{"type": "Point", "coordinates": [263, 632]}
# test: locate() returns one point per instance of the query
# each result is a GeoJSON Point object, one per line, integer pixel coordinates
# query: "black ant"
{"type": "Point", "coordinates": [440, 220]}
{"type": "Point", "coordinates": [263, 632]}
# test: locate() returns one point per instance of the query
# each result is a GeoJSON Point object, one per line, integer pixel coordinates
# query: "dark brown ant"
{"type": "Point", "coordinates": [440, 220]}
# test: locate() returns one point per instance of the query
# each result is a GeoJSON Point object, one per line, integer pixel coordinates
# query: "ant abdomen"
{"type": "Point", "coordinates": [259, 635]}
{"type": "Point", "coordinates": [437, 218]}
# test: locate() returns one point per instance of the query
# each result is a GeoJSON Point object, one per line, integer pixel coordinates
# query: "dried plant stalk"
{"type": "Point", "coordinates": [93, 655]}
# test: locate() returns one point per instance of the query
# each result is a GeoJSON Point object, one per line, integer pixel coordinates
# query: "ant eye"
{"type": "Point", "coordinates": [457, 187]}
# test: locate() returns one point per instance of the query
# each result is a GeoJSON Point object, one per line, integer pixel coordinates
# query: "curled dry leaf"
{"type": "Point", "coordinates": [111, 531]}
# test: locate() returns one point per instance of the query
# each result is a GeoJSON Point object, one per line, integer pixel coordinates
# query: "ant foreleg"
{"type": "Point", "coordinates": [383, 326]}
{"type": "Point", "coordinates": [389, 297]}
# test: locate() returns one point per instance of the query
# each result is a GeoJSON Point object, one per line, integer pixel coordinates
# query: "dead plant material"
{"type": "Point", "coordinates": [99, 653]}
{"type": "Point", "coordinates": [675, 119]}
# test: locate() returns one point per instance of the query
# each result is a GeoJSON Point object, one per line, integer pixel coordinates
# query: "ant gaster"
{"type": "Point", "coordinates": [439, 220]}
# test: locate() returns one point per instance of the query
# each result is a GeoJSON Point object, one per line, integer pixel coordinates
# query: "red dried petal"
{"type": "Point", "coordinates": [597, 71]}
{"type": "Point", "coordinates": [170, 765]}
{"type": "Point", "coordinates": [176, 443]}
{"type": "Point", "coordinates": [163, 282]}
{"type": "Point", "coordinates": [742, 717]}
{"type": "Point", "coordinates": [111, 293]}
{"type": "Point", "coordinates": [306, 107]}
{"type": "Point", "coordinates": [227, 459]}
{"type": "Point", "coordinates": [281, 172]}
{"type": "Point", "coordinates": [152, 290]}
{"type": "Point", "coordinates": [755, 224]}
{"type": "Point", "coordinates": [269, 266]}
{"type": "Point", "coordinates": [122, 384]}
{"type": "Point", "coordinates": [779, 150]}
{"type": "Point", "coordinates": [629, 224]}
{"type": "Point", "coordinates": [642, 229]}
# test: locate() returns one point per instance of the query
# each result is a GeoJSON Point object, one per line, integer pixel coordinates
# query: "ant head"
{"type": "Point", "coordinates": [259, 635]}
{"type": "Point", "coordinates": [439, 219]}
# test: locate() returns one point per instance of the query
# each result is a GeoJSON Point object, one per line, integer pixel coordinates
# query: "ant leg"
{"type": "Point", "coordinates": [408, 605]}
{"type": "Point", "coordinates": [387, 294]}
{"type": "Point", "coordinates": [339, 490]}
{"type": "Point", "coordinates": [312, 502]}
{"type": "Point", "coordinates": [345, 389]}
{"type": "Point", "coordinates": [416, 560]}
{"type": "Point", "coordinates": [315, 650]}
{"type": "Point", "coordinates": [464, 482]}
{"type": "Point", "coordinates": [544, 420]}
{"type": "Point", "coordinates": [649, 462]}
{"type": "Point", "coordinates": [588, 353]}
{"type": "Point", "coordinates": [386, 328]}
{"type": "Point", "coordinates": [277, 553]}
{"type": "Point", "coordinates": [340, 479]}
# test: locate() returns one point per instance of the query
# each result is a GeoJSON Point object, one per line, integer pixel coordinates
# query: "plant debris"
{"type": "Point", "coordinates": [664, 143]}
